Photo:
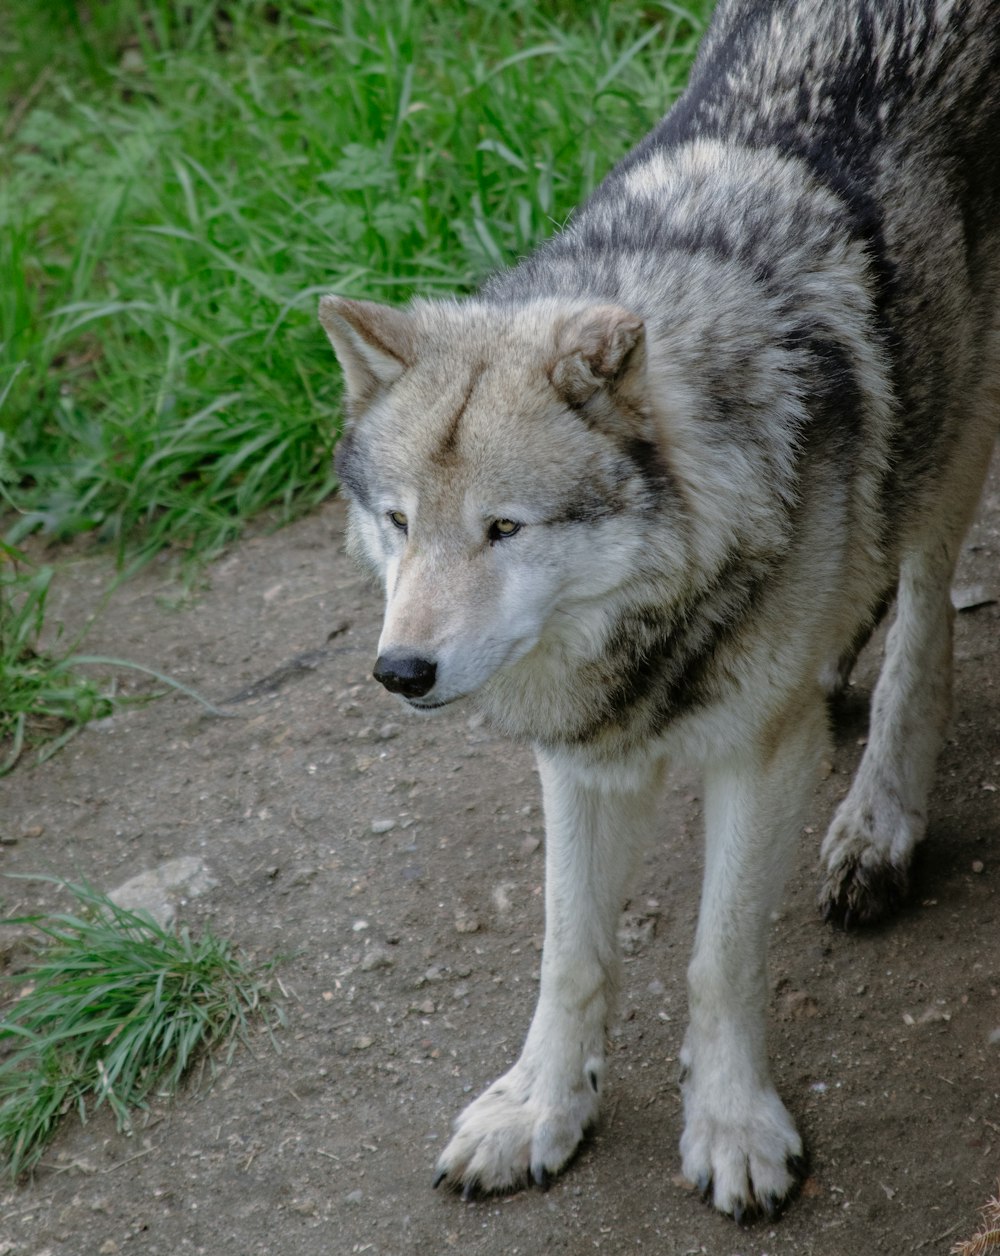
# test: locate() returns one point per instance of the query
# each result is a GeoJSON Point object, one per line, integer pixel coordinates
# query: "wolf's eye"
{"type": "Point", "coordinates": [500, 529]}
{"type": "Point", "coordinates": [398, 520]}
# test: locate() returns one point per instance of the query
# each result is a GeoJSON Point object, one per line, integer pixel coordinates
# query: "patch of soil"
{"type": "Point", "coordinates": [397, 864]}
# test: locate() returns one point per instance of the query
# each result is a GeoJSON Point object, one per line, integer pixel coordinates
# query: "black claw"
{"type": "Point", "coordinates": [798, 1167]}
{"type": "Point", "coordinates": [439, 1177]}
{"type": "Point", "coordinates": [704, 1185]}
{"type": "Point", "coordinates": [593, 1080]}
{"type": "Point", "coordinates": [541, 1176]}
{"type": "Point", "coordinates": [468, 1192]}
{"type": "Point", "coordinates": [738, 1213]}
{"type": "Point", "coordinates": [771, 1205]}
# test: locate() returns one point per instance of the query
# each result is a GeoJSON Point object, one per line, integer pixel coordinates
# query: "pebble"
{"type": "Point", "coordinates": [797, 1005]}
{"type": "Point", "coordinates": [354, 1197]}
{"type": "Point", "coordinates": [383, 826]}
{"type": "Point", "coordinates": [377, 957]}
{"type": "Point", "coordinates": [978, 865]}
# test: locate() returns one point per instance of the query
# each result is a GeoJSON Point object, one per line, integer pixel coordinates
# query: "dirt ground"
{"type": "Point", "coordinates": [397, 863]}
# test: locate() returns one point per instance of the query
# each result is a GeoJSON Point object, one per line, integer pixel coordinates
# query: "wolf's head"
{"type": "Point", "coordinates": [490, 454]}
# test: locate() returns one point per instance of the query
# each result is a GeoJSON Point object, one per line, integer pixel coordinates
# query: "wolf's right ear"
{"type": "Point", "coordinates": [373, 343]}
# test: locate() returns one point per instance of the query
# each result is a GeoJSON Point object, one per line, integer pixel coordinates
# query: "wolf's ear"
{"type": "Point", "coordinates": [374, 343]}
{"type": "Point", "coordinates": [596, 346]}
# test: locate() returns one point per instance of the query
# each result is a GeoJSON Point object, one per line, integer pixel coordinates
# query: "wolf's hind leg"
{"type": "Point", "coordinates": [869, 846]}
{"type": "Point", "coordinates": [528, 1124]}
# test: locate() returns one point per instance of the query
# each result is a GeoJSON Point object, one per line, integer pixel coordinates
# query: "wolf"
{"type": "Point", "coordinates": [643, 496]}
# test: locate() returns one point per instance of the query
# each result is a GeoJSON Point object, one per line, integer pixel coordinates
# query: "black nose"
{"type": "Point", "coordinates": [407, 674]}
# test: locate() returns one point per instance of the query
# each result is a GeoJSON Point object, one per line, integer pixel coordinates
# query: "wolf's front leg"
{"type": "Point", "coordinates": [739, 1144]}
{"type": "Point", "coordinates": [530, 1121]}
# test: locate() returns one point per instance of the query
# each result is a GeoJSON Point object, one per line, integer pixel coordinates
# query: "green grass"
{"type": "Point", "coordinates": [179, 183]}
{"type": "Point", "coordinates": [43, 697]}
{"type": "Point", "coordinates": [113, 1010]}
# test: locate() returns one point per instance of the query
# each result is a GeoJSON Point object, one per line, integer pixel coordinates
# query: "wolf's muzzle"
{"type": "Point", "coordinates": [408, 674]}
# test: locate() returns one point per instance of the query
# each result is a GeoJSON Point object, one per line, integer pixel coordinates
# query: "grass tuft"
{"type": "Point", "coordinates": [113, 1009]}
{"type": "Point", "coordinates": [43, 698]}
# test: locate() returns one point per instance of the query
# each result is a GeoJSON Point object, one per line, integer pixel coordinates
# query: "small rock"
{"type": "Point", "coordinates": [425, 1008]}
{"type": "Point", "coordinates": [108, 1248]}
{"type": "Point", "coordinates": [388, 731]}
{"type": "Point", "coordinates": [159, 891]}
{"type": "Point", "coordinates": [362, 1042]}
{"type": "Point", "coordinates": [637, 930]}
{"type": "Point", "coordinates": [466, 922]}
{"type": "Point", "coordinates": [530, 845]}
{"type": "Point", "coordinates": [354, 1197]}
{"type": "Point", "coordinates": [797, 1005]}
{"type": "Point", "coordinates": [377, 957]}
{"type": "Point", "coordinates": [978, 865]}
{"type": "Point", "coordinates": [971, 597]}
{"type": "Point", "coordinates": [383, 826]}
{"type": "Point", "coordinates": [928, 1016]}
{"type": "Point", "coordinates": [501, 897]}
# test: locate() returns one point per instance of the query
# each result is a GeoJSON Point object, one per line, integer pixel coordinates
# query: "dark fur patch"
{"type": "Point", "coordinates": [349, 464]}
{"type": "Point", "coordinates": [656, 669]}
{"type": "Point", "coordinates": [448, 444]}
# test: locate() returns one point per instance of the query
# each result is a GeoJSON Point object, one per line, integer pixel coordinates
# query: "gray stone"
{"type": "Point", "coordinates": [160, 890]}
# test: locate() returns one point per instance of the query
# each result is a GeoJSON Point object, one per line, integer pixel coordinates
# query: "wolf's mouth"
{"type": "Point", "coordinates": [417, 705]}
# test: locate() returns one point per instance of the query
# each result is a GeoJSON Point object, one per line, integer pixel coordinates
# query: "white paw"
{"type": "Point", "coordinates": [526, 1126]}
{"type": "Point", "coordinates": [740, 1147]}
{"type": "Point", "coordinates": [867, 853]}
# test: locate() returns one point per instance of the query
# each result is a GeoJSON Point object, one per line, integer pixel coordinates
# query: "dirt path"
{"type": "Point", "coordinates": [398, 864]}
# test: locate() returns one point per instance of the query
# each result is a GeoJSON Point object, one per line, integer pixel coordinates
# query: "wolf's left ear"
{"type": "Point", "coordinates": [374, 343]}
{"type": "Point", "coordinates": [596, 347]}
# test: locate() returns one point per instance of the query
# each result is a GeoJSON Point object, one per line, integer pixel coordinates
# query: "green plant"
{"type": "Point", "coordinates": [43, 698]}
{"type": "Point", "coordinates": [113, 1009]}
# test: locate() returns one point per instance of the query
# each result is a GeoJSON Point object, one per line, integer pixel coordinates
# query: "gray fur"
{"type": "Point", "coordinates": [645, 495]}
